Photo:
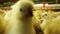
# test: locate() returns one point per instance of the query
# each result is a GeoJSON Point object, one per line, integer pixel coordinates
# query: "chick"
{"type": "Point", "coordinates": [19, 19]}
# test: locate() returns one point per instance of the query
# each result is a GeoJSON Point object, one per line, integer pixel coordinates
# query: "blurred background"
{"type": "Point", "coordinates": [7, 3]}
{"type": "Point", "coordinates": [10, 2]}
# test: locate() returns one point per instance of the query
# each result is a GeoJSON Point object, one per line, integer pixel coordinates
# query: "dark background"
{"type": "Point", "coordinates": [36, 1]}
{"type": "Point", "coordinates": [11, 2]}
{"type": "Point", "coordinates": [47, 1]}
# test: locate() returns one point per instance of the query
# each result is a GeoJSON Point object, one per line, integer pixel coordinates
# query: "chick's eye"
{"type": "Point", "coordinates": [21, 10]}
{"type": "Point", "coordinates": [45, 14]}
